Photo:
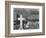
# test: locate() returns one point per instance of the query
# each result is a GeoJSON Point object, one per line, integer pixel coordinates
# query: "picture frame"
{"type": "Point", "coordinates": [9, 5]}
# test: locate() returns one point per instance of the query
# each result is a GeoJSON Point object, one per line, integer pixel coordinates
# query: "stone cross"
{"type": "Point", "coordinates": [21, 21]}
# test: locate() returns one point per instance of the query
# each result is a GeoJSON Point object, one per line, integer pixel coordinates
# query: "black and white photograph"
{"type": "Point", "coordinates": [25, 18]}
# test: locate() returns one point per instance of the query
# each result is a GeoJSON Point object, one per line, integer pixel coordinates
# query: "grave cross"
{"type": "Point", "coordinates": [21, 21]}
